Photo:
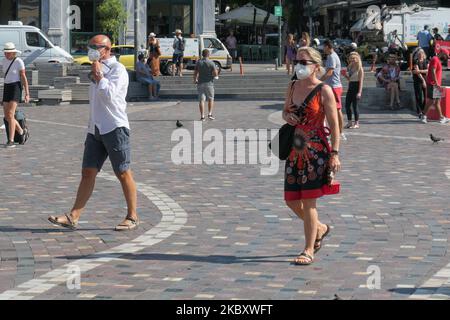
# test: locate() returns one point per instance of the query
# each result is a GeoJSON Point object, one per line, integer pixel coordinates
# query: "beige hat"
{"type": "Point", "coordinates": [152, 35]}
{"type": "Point", "coordinates": [178, 31]}
{"type": "Point", "coordinates": [10, 47]}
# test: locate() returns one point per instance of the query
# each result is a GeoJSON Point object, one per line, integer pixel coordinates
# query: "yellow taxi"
{"type": "Point", "coordinates": [125, 53]}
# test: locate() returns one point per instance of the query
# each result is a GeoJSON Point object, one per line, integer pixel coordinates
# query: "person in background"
{"type": "Point", "coordinates": [231, 43]}
{"type": "Point", "coordinates": [420, 69]}
{"type": "Point", "coordinates": [290, 50]}
{"type": "Point", "coordinates": [332, 77]}
{"type": "Point", "coordinates": [436, 37]}
{"type": "Point", "coordinates": [389, 77]}
{"type": "Point", "coordinates": [355, 76]}
{"type": "Point", "coordinates": [204, 75]}
{"type": "Point", "coordinates": [178, 54]}
{"type": "Point", "coordinates": [12, 92]}
{"type": "Point", "coordinates": [144, 76]}
{"type": "Point", "coordinates": [424, 37]}
{"type": "Point", "coordinates": [434, 83]}
{"type": "Point", "coordinates": [447, 38]}
{"type": "Point", "coordinates": [154, 54]}
{"type": "Point", "coordinates": [305, 41]}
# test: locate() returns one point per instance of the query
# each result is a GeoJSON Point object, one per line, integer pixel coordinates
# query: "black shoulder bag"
{"type": "Point", "coordinates": [281, 145]}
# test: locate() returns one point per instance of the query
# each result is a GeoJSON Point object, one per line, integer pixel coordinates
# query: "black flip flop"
{"type": "Point", "coordinates": [316, 249]}
{"type": "Point", "coordinates": [304, 254]}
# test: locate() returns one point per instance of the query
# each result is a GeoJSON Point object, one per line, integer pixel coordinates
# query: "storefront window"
{"type": "Point", "coordinates": [28, 11]}
{"type": "Point", "coordinates": [79, 38]}
{"type": "Point", "coordinates": [164, 16]}
{"type": "Point", "coordinates": [8, 11]}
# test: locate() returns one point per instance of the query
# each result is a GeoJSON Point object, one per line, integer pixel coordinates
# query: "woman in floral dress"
{"type": "Point", "coordinates": [312, 160]}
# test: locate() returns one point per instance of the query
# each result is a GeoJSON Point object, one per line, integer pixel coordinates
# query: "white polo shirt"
{"type": "Point", "coordinates": [107, 99]}
{"type": "Point", "coordinates": [14, 73]}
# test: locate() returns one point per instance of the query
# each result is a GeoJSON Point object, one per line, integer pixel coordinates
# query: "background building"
{"type": "Point", "coordinates": [159, 16]}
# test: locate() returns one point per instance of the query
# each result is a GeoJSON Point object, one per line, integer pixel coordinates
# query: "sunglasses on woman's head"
{"type": "Point", "coordinates": [305, 62]}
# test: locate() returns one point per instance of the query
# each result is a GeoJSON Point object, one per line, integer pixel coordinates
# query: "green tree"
{"type": "Point", "coordinates": [113, 18]}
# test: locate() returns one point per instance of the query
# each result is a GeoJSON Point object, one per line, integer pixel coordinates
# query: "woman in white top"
{"type": "Point", "coordinates": [14, 73]}
{"type": "Point", "coordinates": [355, 76]}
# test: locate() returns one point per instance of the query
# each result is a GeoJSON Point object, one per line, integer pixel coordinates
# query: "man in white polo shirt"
{"type": "Point", "coordinates": [108, 134]}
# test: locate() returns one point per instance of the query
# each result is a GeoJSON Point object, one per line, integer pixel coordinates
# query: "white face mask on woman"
{"type": "Point", "coordinates": [302, 71]}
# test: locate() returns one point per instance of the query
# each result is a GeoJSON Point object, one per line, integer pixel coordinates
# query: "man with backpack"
{"type": "Point", "coordinates": [178, 45]}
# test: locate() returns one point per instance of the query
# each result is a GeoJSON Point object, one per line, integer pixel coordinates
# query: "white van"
{"type": "Point", "coordinates": [193, 52]}
{"type": "Point", "coordinates": [33, 44]}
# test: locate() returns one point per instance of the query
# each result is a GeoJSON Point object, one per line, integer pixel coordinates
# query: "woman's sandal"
{"type": "Point", "coordinates": [307, 259]}
{"type": "Point", "coordinates": [128, 224]}
{"type": "Point", "coordinates": [318, 242]}
{"type": "Point", "coordinates": [70, 224]}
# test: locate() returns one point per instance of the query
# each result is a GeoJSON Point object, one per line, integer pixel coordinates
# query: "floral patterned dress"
{"type": "Point", "coordinates": [307, 164]}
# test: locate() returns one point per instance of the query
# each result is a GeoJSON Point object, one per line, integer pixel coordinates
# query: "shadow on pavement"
{"type": "Point", "coordinates": [275, 106]}
{"type": "Point", "coordinates": [219, 259]}
{"type": "Point", "coordinates": [445, 291]}
{"type": "Point", "coordinates": [46, 230]}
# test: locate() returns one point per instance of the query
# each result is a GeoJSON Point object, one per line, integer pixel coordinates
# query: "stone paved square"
{"type": "Point", "coordinates": [224, 231]}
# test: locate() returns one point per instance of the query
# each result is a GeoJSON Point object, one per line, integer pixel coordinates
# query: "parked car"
{"type": "Point", "coordinates": [33, 44]}
{"type": "Point", "coordinates": [124, 53]}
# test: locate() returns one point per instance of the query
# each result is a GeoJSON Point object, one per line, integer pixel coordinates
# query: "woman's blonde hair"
{"type": "Point", "coordinates": [358, 59]}
{"type": "Point", "coordinates": [307, 38]}
{"type": "Point", "coordinates": [289, 38]}
{"type": "Point", "coordinates": [313, 53]}
{"type": "Point", "coordinates": [419, 52]}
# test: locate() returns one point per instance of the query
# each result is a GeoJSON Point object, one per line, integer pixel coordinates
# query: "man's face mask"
{"type": "Point", "coordinates": [94, 52]}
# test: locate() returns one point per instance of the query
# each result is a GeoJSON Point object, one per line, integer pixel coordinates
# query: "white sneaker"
{"type": "Point", "coordinates": [444, 120]}
{"type": "Point", "coordinates": [343, 137]}
{"type": "Point", "coordinates": [2, 127]}
{"type": "Point", "coordinates": [424, 119]}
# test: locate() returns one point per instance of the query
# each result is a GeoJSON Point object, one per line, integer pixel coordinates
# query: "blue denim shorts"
{"type": "Point", "coordinates": [115, 144]}
{"type": "Point", "coordinates": [177, 59]}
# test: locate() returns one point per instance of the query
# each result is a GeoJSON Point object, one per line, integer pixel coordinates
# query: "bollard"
{"type": "Point", "coordinates": [410, 64]}
{"type": "Point", "coordinates": [241, 66]}
{"type": "Point", "coordinates": [276, 63]}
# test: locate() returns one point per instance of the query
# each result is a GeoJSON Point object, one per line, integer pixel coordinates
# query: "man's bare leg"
{"type": "Point", "coordinates": [130, 192]}
{"type": "Point", "coordinates": [202, 109]}
{"type": "Point", "coordinates": [85, 189]}
{"type": "Point", "coordinates": [210, 107]}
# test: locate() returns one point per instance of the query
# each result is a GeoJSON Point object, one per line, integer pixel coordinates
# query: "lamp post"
{"type": "Point", "coordinates": [280, 47]}
{"type": "Point", "coordinates": [311, 27]}
{"type": "Point", "coordinates": [136, 32]}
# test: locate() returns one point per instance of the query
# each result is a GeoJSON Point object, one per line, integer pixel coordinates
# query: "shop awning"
{"type": "Point", "coordinates": [245, 15]}
{"type": "Point", "coordinates": [353, 4]}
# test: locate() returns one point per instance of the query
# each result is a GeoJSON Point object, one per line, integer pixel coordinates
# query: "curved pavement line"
{"type": "Point", "coordinates": [430, 289]}
{"type": "Point", "coordinates": [174, 217]}
{"type": "Point", "coordinates": [277, 119]}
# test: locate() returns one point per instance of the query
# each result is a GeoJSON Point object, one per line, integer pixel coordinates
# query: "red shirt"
{"type": "Point", "coordinates": [437, 65]}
